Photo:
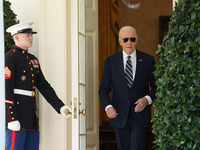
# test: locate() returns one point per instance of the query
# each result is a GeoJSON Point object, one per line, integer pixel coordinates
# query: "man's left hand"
{"type": "Point", "coordinates": [141, 104]}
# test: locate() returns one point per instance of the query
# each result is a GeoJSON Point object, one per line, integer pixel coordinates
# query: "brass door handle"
{"type": "Point", "coordinates": [82, 112]}
{"type": "Point", "coordinates": [68, 112]}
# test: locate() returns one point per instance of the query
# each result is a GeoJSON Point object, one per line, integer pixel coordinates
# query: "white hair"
{"type": "Point", "coordinates": [126, 28]}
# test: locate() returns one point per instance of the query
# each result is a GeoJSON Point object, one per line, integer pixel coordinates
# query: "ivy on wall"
{"type": "Point", "coordinates": [177, 107]}
{"type": "Point", "coordinates": [9, 20]}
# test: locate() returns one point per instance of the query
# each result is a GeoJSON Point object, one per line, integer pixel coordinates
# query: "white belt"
{"type": "Point", "coordinates": [24, 92]}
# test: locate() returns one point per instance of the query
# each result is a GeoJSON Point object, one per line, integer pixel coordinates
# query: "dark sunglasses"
{"type": "Point", "coordinates": [133, 39]}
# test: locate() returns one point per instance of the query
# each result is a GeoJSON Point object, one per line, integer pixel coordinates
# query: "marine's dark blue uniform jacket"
{"type": "Point", "coordinates": [22, 71]}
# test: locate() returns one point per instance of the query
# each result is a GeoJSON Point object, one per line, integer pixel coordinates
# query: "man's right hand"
{"type": "Point", "coordinates": [111, 113]}
{"type": "Point", "coordinates": [14, 125]}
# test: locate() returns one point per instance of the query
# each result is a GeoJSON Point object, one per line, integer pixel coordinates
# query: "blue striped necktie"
{"type": "Point", "coordinates": [129, 72]}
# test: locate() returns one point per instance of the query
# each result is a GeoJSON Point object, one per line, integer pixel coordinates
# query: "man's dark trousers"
{"type": "Point", "coordinates": [130, 137]}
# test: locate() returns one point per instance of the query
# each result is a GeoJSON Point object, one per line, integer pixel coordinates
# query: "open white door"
{"type": "Point", "coordinates": [84, 61]}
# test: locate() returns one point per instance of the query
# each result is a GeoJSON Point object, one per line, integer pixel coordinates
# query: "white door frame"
{"type": "Point", "coordinates": [74, 71]}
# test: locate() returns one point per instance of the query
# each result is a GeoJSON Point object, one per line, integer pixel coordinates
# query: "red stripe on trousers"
{"type": "Point", "coordinates": [13, 141]}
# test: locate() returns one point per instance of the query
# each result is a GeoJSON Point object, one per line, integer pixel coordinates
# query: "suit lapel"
{"type": "Point", "coordinates": [139, 63]}
{"type": "Point", "coordinates": [120, 66]}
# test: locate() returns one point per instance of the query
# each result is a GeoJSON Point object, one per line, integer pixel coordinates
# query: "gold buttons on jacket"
{"type": "Point", "coordinates": [18, 103]}
{"type": "Point", "coordinates": [32, 69]}
{"type": "Point", "coordinates": [32, 75]}
{"type": "Point", "coordinates": [32, 80]}
{"type": "Point", "coordinates": [13, 118]}
{"type": "Point", "coordinates": [23, 78]}
{"type": "Point", "coordinates": [11, 113]}
{"type": "Point", "coordinates": [24, 71]}
{"type": "Point", "coordinates": [10, 107]}
{"type": "Point", "coordinates": [23, 52]}
{"type": "Point", "coordinates": [29, 63]}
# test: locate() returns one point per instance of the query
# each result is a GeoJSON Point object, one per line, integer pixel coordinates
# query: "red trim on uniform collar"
{"type": "Point", "coordinates": [18, 49]}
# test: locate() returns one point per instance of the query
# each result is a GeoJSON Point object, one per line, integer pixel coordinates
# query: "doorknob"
{"type": "Point", "coordinates": [68, 112]}
{"type": "Point", "coordinates": [82, 112]}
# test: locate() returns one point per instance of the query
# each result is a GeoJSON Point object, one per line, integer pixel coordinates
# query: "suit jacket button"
{"type": "Point", "coordinates": [11, 113]}
{"type": "Point", "coordinates": [32, 75]}
{"type": "Point", "coordinates": [32, 69]}
{"type": "Point", "coordinates": [18, 103]}
{"type": "Point", "coordinates": [10, 107]}
{"type": "Point", "coordinates": [12, 118]}
{"type": "Point", "coordinates": [24, 71]}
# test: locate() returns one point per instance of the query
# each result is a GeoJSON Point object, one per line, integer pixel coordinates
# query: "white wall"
{"type": "Point", "coordinates": [55, 57]}
{"type": "Point", "coordinates": [28, 10]}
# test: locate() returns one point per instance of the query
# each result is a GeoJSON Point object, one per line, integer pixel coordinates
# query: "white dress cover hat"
{"type": "Point", "coordinates": [24, 27]}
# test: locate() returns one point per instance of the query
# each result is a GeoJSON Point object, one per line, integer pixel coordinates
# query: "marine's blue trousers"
{"type": "Point", "coordinates": [22, 140]}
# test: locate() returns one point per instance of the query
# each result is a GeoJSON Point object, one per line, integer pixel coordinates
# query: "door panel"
{"type": "Point", "coordinates": [92, 75]}
{"type": "Point", "coordinates": [84, 27]}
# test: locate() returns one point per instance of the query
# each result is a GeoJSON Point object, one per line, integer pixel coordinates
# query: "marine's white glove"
{"type": "Point", "coordinates": [63, 111]}
{"type": "Point", "coordinates": [14, 125]}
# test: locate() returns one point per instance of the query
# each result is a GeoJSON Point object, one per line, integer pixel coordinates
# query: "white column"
{"type": "Point", "coordinates": [2, 81]}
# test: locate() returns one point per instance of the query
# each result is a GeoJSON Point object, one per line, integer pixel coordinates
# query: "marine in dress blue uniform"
{"type": "Point", "coordinates": [22, 75]}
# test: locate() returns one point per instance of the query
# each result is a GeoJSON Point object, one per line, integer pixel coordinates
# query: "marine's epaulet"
{"type": "Point", "coordinates": [11, 52]}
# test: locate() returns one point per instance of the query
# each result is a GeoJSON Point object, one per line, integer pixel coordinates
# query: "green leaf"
{"type": "Point", "coordinates": [189, 21]}
{"type": "Point", "coordinates": [164, 101]}
{"type": "Point", "coordinates": [196, 50]}
{"type": "Point", "coordinates": [198, 24]}
{"type": "Point", "coordinates": [191, 8]}
{"type": "Point", "coordinates": [194, 44]}
{"type": "Point", "coordinates": [193, 16]}
{"type": "Point", "coordinates": [187, 49]}
{"type": "Point", "coordinates": [170, 104]}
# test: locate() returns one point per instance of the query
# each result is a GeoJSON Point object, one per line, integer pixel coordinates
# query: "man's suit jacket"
{"type": "Point", "coordinates": [124, 97]}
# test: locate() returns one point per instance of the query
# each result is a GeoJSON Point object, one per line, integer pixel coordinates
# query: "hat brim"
{"type": "Point", "coordinates": [28, 31]}
{"type": "Point", "coordinates": [33, 32]}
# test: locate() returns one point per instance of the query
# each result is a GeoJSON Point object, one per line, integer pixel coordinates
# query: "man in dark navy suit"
{"type": "Point", "coordinates": [129, 74]}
